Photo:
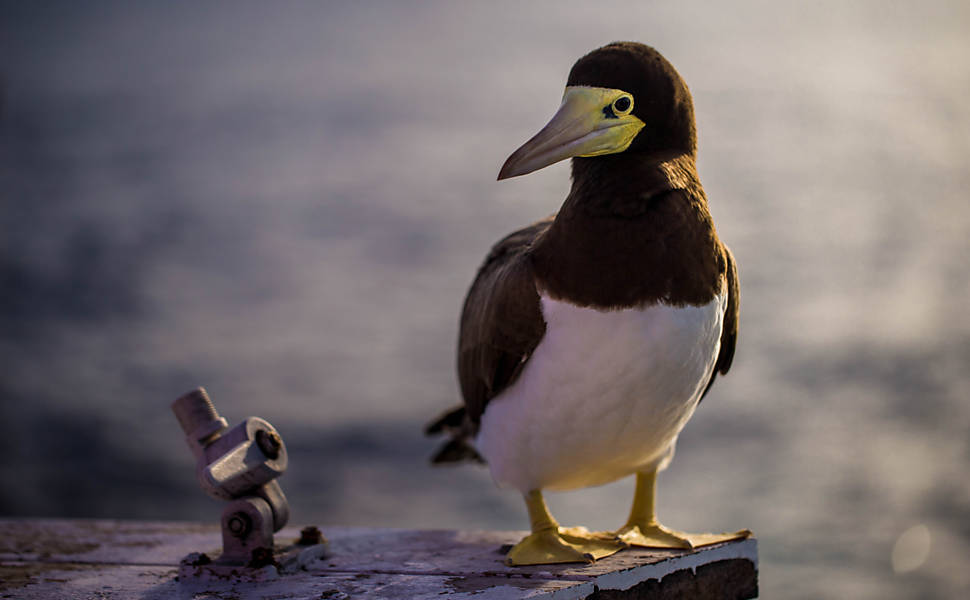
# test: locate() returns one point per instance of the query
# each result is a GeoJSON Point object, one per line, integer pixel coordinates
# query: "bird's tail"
{"type": "Point", "coordinates": [457, 449]}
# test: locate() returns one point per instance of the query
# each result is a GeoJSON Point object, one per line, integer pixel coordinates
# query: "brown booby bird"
{"type": "Point", "coordinates": [589, 338]}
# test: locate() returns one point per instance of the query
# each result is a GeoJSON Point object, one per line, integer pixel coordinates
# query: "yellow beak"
{"type": "Point", "coordinates": [586, 124]}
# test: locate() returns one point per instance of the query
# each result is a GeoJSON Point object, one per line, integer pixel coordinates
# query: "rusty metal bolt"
{"type": "Point", "coordinates": [240, 524]}
{"type": "Point", "coordinates": [310, 536]}
{"type": "Point", "coordinates": [199, 419]}
{"type": "Point", "coordinates": [262, 557]}
{"type": "Point", "coordinates": [269, 442]}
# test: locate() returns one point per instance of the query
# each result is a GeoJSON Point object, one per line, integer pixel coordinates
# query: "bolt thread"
{"type": "Point", "coordinates": [195, 410]}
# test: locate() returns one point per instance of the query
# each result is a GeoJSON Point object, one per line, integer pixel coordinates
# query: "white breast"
{"type": "Point", "coordinates": [605, 394]}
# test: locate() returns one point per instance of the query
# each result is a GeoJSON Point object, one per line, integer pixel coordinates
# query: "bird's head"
{"type": "Point", "coordinates": [623, 97]}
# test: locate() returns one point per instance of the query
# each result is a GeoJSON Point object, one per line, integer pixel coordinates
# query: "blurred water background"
{"type": "Point", "coordinates": [286, 204]}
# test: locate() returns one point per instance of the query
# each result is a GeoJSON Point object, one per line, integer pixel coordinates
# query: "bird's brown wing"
{"type": "Point", "coordinates": [501, 325]}
{"type": "Point", "coordinates": [732, 313]}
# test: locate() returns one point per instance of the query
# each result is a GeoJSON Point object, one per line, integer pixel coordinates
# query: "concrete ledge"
{"type": "Point", "coordinates": [117, 559]}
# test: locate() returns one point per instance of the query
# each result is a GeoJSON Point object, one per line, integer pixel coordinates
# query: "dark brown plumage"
{"type": "Point", "coordinates": [635, 230]}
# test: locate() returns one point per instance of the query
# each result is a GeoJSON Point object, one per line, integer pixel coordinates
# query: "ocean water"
{"type": "Point", "coordinates": [286, 204]}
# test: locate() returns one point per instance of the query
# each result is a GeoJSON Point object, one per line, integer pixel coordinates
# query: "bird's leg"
{"type": "Point", "coordinates": [549, 543]}
{"type": "Point", "coordinates": [643, 529]}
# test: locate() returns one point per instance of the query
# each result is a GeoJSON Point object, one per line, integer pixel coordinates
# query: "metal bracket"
{"type": "Point", "coordinates": [239, 465]}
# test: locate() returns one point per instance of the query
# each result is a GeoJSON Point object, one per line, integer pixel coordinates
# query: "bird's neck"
{"type": "Point", "coordinates": [622, 185]}
{"type": "Point", "coordinates": [633, 231]}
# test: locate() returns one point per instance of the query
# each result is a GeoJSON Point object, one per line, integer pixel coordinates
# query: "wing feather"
{"type": "Point", "coordinates": [732, 314]}
{"type": "Point", "coordinates": [501, 322]}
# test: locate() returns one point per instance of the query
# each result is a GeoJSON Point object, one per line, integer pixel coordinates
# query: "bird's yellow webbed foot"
{"type": "Point", "coordinates": [643, 529]}
{"type": "Point", "coordinates": [550, 544]}
{"type": "Point", "coordinates": [653, 535]}
{"type": "Point", "coordinates": [561, 545]}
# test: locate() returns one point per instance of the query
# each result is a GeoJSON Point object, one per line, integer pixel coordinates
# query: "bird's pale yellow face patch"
{"type": "Point", "coordinates": [591, 121]}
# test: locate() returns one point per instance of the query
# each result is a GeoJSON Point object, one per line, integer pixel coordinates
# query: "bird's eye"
{"type": "Point", "coordinates": [623, 105]}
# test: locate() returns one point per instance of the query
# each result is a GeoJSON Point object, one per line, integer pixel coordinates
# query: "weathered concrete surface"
{"type": "Point", "coordinates": [117, 559]}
